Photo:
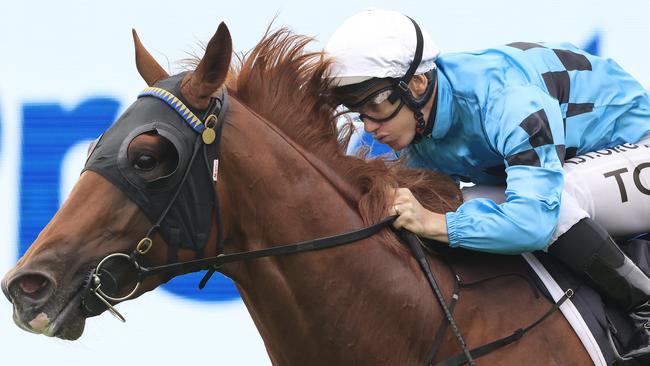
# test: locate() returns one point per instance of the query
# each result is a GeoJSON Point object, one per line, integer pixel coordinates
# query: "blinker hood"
{"type": "Point", "coordinates": [188, 221]}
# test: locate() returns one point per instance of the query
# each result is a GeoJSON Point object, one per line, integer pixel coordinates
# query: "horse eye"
{"type": "Point", "coordinates": [145, 162]}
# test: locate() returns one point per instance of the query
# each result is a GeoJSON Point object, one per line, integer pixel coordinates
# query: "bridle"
{"type": "Point", "coordinates": [209, 129]}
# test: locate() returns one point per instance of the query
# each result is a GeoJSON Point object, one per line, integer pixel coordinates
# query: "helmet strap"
{"type": "Point", "coordinates": [403, 82]}
{"type": "Point", "coordinates": [423, 128]}
{"type": "Point", "coordinates": [403, 92]}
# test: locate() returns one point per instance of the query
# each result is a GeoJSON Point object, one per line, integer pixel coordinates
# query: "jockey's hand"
{"type": "Point", "coordinates": [417, 219]}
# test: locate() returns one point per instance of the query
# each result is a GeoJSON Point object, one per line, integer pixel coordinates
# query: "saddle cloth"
{"type": "Point", "coordinates": [602, 328]}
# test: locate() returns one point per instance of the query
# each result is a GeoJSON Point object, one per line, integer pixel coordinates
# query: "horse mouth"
{"type": "Point", "coordinates": [69, 323]}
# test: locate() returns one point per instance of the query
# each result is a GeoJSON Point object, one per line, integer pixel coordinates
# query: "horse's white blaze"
{"type": "Point", "coordinates": [40, 322]}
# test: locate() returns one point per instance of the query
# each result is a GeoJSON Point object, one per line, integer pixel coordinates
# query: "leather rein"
{"type": "Point", "coordinates": [214, 121]}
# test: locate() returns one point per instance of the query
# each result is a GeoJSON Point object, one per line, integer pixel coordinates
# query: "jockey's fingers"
{"type": "Point", "coordinates": [406, 217]}
{"type": "Point", "coordinates": [404, 201]}
{"type": "Point", "coordinates": [403, 193]}
{"type": "Point", "coordinates": [399, 223]}
{"type": "Point", "coordinates": [409, 207]}
{"type": "Point", "coordinates": [393, 210]}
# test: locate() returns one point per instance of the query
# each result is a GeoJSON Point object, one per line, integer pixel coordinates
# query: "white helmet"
{"type": "Point", "coordinates": [377, 44]}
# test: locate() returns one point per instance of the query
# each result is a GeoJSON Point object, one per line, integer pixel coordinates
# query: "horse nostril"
{"type": "Point", "coordinates": [32, 283]}
{"type": "Point", "coordinates": [30, 287]}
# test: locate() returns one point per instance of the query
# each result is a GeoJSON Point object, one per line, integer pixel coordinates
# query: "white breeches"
{"type": "Point", "coordinates": [611, 186]}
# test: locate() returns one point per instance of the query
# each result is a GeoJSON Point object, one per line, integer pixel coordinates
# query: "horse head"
{"type": "Point", "coordinates": [145, 191]}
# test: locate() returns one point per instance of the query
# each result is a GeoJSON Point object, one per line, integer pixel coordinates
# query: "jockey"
{"type": "Point", "coordinates": [510, 115]}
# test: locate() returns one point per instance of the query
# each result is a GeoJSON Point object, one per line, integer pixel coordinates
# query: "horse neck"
{"type": "Point", "coordinates": [322, 307]}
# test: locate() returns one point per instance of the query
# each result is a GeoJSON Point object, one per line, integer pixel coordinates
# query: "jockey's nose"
{"type": "Point", "coordinates": [28, 289]}
{"type": "Point", "coordinates": [370, 126]}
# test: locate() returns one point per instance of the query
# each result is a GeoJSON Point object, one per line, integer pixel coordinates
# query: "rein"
{"type": "Point", "coordinates": [215, 262]}
{"type": "Point", "coordinates": [209, 129]}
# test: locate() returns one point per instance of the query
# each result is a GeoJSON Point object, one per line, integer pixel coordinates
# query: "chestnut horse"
{"type": "Point", "coordinates": [284, 177]}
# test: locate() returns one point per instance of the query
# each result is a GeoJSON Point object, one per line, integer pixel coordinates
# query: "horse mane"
{"type": "Point", "coordinates": [287, 85]}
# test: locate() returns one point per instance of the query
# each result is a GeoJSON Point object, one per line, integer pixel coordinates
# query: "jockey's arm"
{"type": "Point", "coordinates": [524, 125]}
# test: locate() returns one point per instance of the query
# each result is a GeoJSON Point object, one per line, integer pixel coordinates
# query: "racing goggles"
{"type": "Point", "coordinates": [377, 106]}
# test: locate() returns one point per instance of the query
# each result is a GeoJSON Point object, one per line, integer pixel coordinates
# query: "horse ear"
{"type": "Point", "coordinates": [147, 66]}
{"type": "Point", "coordinates": [211, 72]}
